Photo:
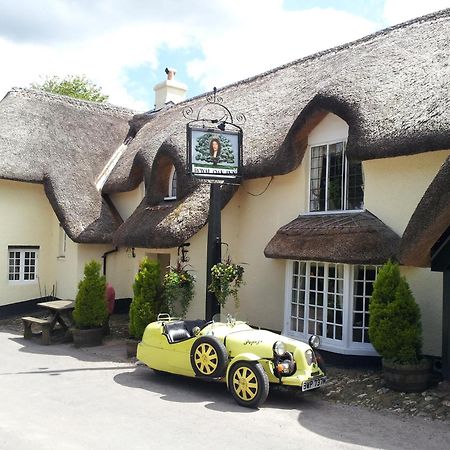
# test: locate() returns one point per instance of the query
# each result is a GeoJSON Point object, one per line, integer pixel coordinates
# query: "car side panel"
{"type": "Point", "coordinates": [157, 353]}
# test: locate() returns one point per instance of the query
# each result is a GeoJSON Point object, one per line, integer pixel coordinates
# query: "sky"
{"type": "Point", "coordinates": [124, 46]}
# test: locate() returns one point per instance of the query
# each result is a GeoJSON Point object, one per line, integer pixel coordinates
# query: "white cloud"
{"type": "Point", "coordinates": [397, 11]}
{"type": "Point", "coordinates": [271, 37]}
{"type": "Point", "coordinates": [104, 39]}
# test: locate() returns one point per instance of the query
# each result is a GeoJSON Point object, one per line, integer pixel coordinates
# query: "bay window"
{"type": "Point", "coordinates": [332, 301]}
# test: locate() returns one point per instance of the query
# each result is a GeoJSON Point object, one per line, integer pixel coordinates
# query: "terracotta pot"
{"type": "Point", "coordinates": [89, 337]}
{"type": "Point", "coordinates": [407, 377]}
{"type": "Point", "coordinates": [131, 347]}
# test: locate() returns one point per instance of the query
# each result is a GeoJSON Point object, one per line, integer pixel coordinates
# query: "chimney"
{"type": "Point", "coordinates": [169, 90]}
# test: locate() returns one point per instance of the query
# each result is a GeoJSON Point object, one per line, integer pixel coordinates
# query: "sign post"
{"type": "Point", "coordinates": [214, 155]}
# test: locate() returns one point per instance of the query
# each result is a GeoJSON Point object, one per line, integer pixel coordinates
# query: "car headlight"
{"type": "Point", "coordinates": [309, 356]}
{"type": "Point", "coordinates": [279, 348]}
{"type": "Point", "coordinates": [314, 341]}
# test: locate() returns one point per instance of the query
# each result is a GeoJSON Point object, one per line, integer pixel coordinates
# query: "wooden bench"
{"type": "Point", "coordinates": [45, 324]}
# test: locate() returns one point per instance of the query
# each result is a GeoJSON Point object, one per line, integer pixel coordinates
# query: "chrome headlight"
{"type": "Point", "coordinates": [314, 341]}
{"type": "Point", "coordinates": [279, 348]}
{"type": "Point", "coordinates": [309, 356]}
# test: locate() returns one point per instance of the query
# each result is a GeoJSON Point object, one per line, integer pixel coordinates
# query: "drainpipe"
{"type": "Point", "coordinates": [105, 255]}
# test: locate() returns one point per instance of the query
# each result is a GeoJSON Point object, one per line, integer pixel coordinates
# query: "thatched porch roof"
{"type": "Point", "coordinates": [352, 238]}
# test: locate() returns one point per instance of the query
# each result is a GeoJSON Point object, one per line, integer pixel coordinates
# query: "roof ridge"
{"type": "Point", "coordinates": [437, 15]}
{"type": "Point", "coordinates": [79, 103]}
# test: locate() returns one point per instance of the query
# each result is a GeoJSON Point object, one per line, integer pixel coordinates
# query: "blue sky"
{"type": "Point", "coordinates": [124, 47]}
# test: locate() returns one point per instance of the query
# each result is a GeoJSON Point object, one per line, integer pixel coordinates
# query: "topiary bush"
{"type": "Point", "coordinates": [90, 305]}
{"type": "Point", "coordinates": [145, 305]}
{"type": "Point", "coordinates": [394, 323]}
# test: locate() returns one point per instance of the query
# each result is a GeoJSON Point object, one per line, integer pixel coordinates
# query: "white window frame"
{"type": "Point", "coordinates": [308, 200]}
{"type": "Point", "coordinates": [62, 242]}
{"type": "Point", "coordinates": [170, 195]}
{"type": "Point", "coordinates": [346, 345]}
{"type": "Point", "coordinates": [22, 251]}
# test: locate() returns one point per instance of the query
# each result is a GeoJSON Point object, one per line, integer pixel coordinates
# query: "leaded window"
{"type": "Point", "coordinates": [335, 183]}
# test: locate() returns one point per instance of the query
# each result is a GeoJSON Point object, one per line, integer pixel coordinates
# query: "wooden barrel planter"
{"type": "Point", "coordinates": [408, 377]}
{"type": "Point", "coordinates": [89, 337]}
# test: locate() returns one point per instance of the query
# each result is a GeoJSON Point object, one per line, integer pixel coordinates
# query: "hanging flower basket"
{"type": "Point", "coordinates": [226, 279]}
{"type": "Point", "coordinates": [178, 290]}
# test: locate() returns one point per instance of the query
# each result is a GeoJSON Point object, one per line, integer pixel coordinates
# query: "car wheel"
{"type": "Point", "coordinates": [209, 357]}
{"type": "Point", "coordinates": [248, 383]}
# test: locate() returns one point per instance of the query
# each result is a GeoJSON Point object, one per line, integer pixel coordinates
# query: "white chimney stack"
{"type": "Point", "coordinates": [169, 90]}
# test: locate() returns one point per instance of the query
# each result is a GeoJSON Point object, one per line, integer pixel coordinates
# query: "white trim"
{"type": "Point", "coordinates": [21, 280]}
{"type": "Point", "coordinates": [170, 195]}
{"type": "Point", "coordinates": [346, 345]}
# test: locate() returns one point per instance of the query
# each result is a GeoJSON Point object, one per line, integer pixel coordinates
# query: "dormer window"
{"type": "Point", "coordinates": [335, 184]}
{"type": "Point", "coordinates": [172, 187]}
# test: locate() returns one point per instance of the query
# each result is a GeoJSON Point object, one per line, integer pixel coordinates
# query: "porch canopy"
{"type": "Point", "coordinates": [352, 238]}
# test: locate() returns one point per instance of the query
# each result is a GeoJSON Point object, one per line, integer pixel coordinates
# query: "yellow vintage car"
{"type": "Point", "coordinates": [229, 350]}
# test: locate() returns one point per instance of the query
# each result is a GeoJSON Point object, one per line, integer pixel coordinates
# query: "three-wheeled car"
{"type": "Point", "coordinates": [226, 349]}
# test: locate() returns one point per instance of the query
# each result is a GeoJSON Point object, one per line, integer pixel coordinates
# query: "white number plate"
{"type": "Point", "coordinates": [312, 384]}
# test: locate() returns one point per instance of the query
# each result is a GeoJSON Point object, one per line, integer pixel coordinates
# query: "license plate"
{"type": "Point", "coordinates": [313, 384]}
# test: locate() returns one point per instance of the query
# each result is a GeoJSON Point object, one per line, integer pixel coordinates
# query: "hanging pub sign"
{"type": "Point", "coordinates": [214, 154]}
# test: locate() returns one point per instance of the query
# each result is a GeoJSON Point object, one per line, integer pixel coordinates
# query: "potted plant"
{"type": "Point", "coordinates": [90, 312]}
{"type": "Point", "coordinates": [178, 290]}
{"type": "Point", "coordinates": [226, 279]}
{"type": "Point", "coordinates": [396, 333]}
{"type": "Point", "coordinates": [145, 304]}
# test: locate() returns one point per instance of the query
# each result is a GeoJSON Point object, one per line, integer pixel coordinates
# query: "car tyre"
{"type": "Point", "coordinates": [209, 357]}
{"type": "Point", "coordinates": [248, 383]}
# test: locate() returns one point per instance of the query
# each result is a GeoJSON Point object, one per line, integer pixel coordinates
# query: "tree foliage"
{"type": "Point", "coordinates": [394, 325]}
{"type": "Point", "coordinates": [90, 304]}
{"type": "Point", "coordinates": [76, 86]}
{"type": "Point", "coordinates": [145, 305]}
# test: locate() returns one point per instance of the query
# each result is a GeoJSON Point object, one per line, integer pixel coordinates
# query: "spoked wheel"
{"type": "Point", "coordinates": [209, 357]}
{"type": "Point", "coordinates": [248, 383]}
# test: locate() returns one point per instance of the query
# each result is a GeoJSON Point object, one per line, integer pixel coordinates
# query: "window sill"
{"type": "Point", "coordinates": [340, 211]}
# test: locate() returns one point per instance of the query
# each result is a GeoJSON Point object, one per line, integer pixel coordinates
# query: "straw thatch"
{"type": "Point", "coordinates": [63, 143]}
{"type": "Point", "coordinates": [352, 238]}
{"type": "Point", "coordinates": [390, 87]}
{"type": "Point", "coordinates": [429, 222]}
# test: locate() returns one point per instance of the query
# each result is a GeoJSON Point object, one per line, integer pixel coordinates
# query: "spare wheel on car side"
{"type": "Point", "coordinates": [209, 357]}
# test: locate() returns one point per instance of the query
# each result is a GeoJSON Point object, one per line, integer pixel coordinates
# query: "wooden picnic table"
{"type": "Point", "coordinates": [60, 312]}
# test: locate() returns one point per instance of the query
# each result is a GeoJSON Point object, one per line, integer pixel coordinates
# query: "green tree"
{"type": "Point", "coordinates": [76, 86]}
{"type": "Point", "coordinates": [145, 305]}
{"type": "Point", "coordinates": [394, 325]}
{"type": "Point", "coordinates": [90, 305]}
{"type": "Point", "coordinates": [203, 150]}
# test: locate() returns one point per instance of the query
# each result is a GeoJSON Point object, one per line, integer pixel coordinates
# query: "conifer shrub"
{"type": "Point", "coordinates": [90, 305]}
{"type": "Point", "coordinates": [395, 329]}
{"type": "Point", "coordinates": [146, 292]}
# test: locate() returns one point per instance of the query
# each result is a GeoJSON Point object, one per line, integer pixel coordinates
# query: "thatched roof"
{"type": "Point", "coordinates": [352, 238]}
{"type": "Point", "coordinates": [429, 222]}
{"type": "Point", "coordinates": [390, 87]}
{"type": "Point", "coordinates": [63, 143]}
